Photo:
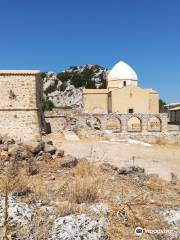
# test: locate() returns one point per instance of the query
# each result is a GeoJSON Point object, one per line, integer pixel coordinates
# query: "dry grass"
{"type": "Point", "coordinates": [84, 190]}
{"type": "Point", "coordinates": [86, 183]}
{"type": "Point", "coordinates": [86, 169]}
{"type": "Point", "coordinates": [161, 141]}
{"type": "Point", "coordinates": [67, 208]}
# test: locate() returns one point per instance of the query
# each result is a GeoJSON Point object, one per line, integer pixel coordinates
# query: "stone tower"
{"type": "Point", "coordinates": [21, 115]}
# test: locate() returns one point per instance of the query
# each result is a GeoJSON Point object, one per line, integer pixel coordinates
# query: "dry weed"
{"type": "Point", "coordinates": [84, 189]}
{"type": "Point", "coordinates": [67, 208]}
{"type": "Point", "coordinates": [85, 184]}
{"type": "Point", "coordinates": [86, 169]}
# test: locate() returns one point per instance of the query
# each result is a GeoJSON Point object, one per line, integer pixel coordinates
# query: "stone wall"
{"type": "Point", "coordinates": [118, 122]}
{"type": "Point", "coordinates": [115, 126]}
{"type": "Point", "coordinates": [21, 105]}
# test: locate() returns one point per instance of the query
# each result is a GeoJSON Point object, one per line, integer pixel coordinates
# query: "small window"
{"type": "Point", "coordinates": [131, 110]}
{"type": "Point", "coordinates": [124, 83]}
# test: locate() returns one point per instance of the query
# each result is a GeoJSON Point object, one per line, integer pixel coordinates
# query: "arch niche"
{"type": "Point", "coordinates": [134, 124]}
{"type": "Point", "coordinates": [113, 124]}
{"type": "Point", "coordinates": [154, 124]}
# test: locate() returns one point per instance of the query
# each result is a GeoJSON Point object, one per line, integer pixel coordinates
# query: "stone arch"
{"type": "Point", "coordinates": [134, 124]}
{"type": "Point", "coordinates": [93, 122]}
{"type": "Point", "coordinates": [113, 123]}
{"type": "Point", "coordinates": [154, 124]}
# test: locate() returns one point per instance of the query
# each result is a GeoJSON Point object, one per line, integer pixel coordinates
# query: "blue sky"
{"type": "Point", "coordinates": [54, 34]}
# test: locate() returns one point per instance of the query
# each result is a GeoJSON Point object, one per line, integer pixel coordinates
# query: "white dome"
{"type": "Point", "coordinates": [122, 71]}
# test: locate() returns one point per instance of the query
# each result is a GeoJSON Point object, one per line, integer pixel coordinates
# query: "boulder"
{"type": "Point", "coordinates": [107, 167]}
{"type": "Point", "coordinates": [69, 162]}
{"type": "Point", "coordinates": [99, 208]}
{"type": "Point", "coordinates": [36, 147]}
{"type": "Point", "coordinates": [49, 148]}
{"type": "Point", "coordinates": [50, 142]}
{"type": "Point", "coordinates": [60, 153]}
{"type": "Point", "coordinates": [4, 147]}
{"type": "Point", "coordinates": [171, 216]}
{"type": "Point", "coordinates": [13, 149]}
{"type": "Point", "coordinates": [131, 170]}
{"type": "Point", "coordinates": [19, 214]}
{"type": "Point", "coordinates": [78, 227]}
{"type": "Point", "coordinates": [19, 152]}
{"type": "Point", "coordinates": [8, 140]}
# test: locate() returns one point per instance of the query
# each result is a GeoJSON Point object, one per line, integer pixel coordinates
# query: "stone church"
{"type": "Point", "coordinates": [123, 95]}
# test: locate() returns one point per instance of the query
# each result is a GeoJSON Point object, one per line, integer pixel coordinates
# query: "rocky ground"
{"type": "Point", "coordinates": [57, 196]}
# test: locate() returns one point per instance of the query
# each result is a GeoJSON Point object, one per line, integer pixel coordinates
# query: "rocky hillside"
{"type": "Point", "coordinates": [65, 88]}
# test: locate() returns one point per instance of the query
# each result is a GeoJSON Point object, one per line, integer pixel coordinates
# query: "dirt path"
{"type": "Point", "coordinates": [156, 159]}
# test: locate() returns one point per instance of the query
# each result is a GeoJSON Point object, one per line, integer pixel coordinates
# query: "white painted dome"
{"type": "Point", "coordinates": [122, 71]}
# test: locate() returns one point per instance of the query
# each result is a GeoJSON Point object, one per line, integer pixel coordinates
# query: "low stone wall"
{"type": "Point", "coordinates": [97, 125]}
{"type": "Point", "coordinates": [119, 122]}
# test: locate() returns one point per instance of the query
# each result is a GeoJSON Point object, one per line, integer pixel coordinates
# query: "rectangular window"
{"type": "Point", "coordinates": [131, 110]}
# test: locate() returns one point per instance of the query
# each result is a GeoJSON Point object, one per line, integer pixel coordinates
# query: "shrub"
{"type": "Point", "coordinates": [64, 76]}
{"type": "Point", "coordinates": [63, 86]}
{"type": "Point", "coordinates": [43, 75]}
{"type": "Point", "coordinates": [48, 105]}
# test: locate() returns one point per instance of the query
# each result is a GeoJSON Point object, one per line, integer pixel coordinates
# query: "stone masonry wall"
{"type": "Point", "coordinates": [20, 106]}
{"type": "Point", "coordinates": [58, 122]}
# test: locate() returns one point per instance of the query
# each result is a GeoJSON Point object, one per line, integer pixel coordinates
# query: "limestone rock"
{"type": "Point", "coordinates": [19, 152]}
{"type": "Point", "coordinates": [36, 147]}
{"type": "Point", "coordinates": [19, 214]}
{"type": "Point", "coordinates": [49, 148]}
{"type": "Point", "coordinates": [131, 170]}
{"type": "Point", "coordinates": [69, 162]}
{"type": "Point", "coordinates": [171, 216]}
{"type": "Point", "coordinates": [77, 227]}
{"type": "Point", "coordinates": [8, 140]}
{"type": "Point", "coordinates": [99, 208]}
{"type": "Point", "coordinates": [13, 149]}
{"type": "Point", "coordinates": [60, 153]}
{"type": "Point", "coordinates": [4, 147]}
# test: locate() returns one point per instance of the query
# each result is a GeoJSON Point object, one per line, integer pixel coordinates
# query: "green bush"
{"type": "Point", "coordinates": [81, 78]}
{"type": "Point", "coordinates": [43, 75]}
{"type": "Point", "coordinates": [63, 86]}
{"type": "Point", "coordinates": [48, 105]}
{"type": "Point", "coordinates": [64, 76]}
